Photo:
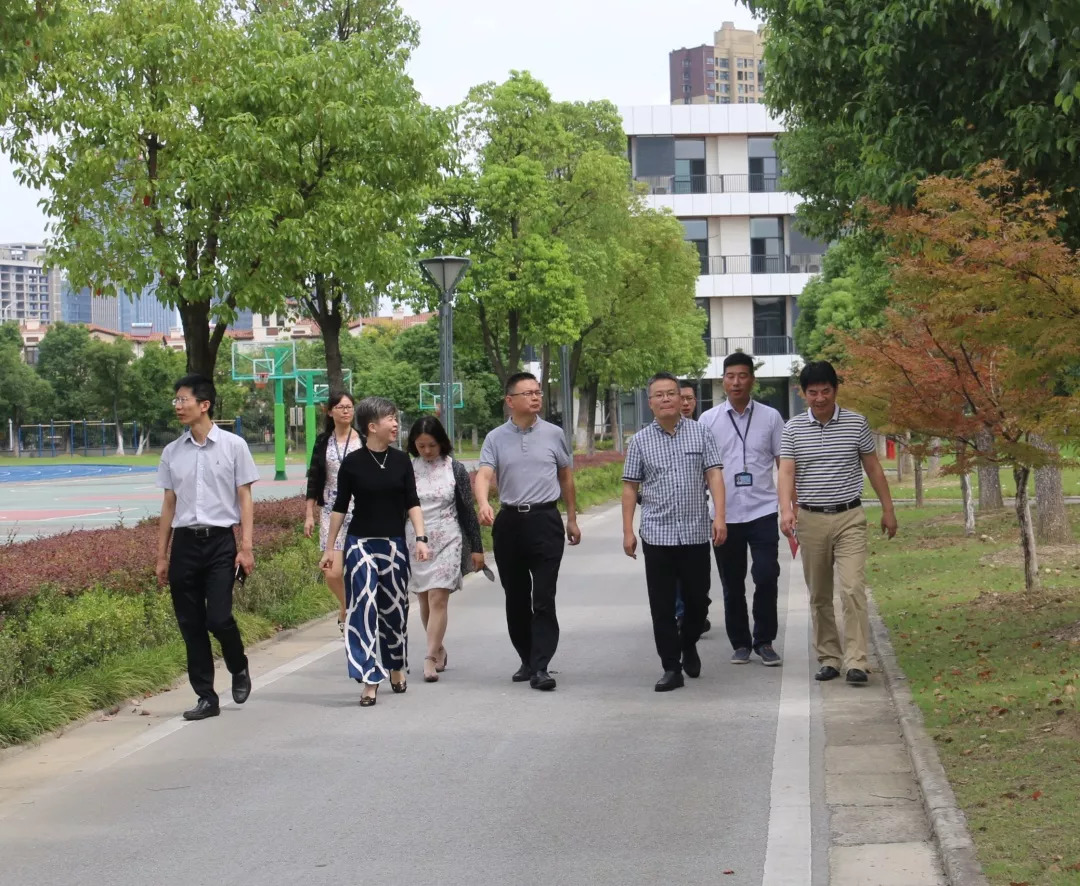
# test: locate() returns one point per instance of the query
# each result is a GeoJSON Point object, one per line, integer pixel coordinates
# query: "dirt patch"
{"type": "Point", "coordinates": [1021, 601]}
{"type": "Point", "coordinates": [1065, 725]}
{"type": "Point", "coordinates": [1058, 559]}
{"type": "Point", "coordinates": [1070, 635]}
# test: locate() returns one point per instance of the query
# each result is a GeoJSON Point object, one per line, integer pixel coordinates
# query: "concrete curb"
{"type": "Point", "coordinates": [947, 822]}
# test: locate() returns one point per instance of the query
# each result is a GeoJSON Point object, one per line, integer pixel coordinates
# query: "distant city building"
{"type": "Point", "coordinates": [715, 169]}
{"type": "Point", "coordinates": [729, 72]}
{"type": "Point", "coordinates": [141, 315]}
{"type": "Point", "coordinates": [27, 290]}
{"type": "Point", "coordinates": [76, 305]}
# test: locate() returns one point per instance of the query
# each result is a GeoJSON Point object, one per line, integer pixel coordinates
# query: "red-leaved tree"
{"type": "Point", "coordinates": [981, 331]}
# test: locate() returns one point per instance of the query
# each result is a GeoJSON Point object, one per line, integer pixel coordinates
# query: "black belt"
{"type": "Point", "coordinates": [832, 509]}
{"type": "Point", "coordinates": [204, 531]}
{"type": "Point", "coordinates": [525, 509]}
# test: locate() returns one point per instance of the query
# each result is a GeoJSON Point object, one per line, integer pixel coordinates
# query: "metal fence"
{"type": "Point", "coordinates": [796, 263]}
{"type": "Point", "coordinates": [757, 345]}
{"type": "Point", "coordinates": [753, 182]}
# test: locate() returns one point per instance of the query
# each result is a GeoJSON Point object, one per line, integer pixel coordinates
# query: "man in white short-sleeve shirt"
{"type": "Point", "coordinates": [207, 475]}
{"type": "Point", "coordinates": [748, 432]}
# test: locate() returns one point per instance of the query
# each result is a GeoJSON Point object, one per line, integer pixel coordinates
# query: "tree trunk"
{"type": "Point", "coordinates": [905, 455]}
{"type": "Point", "coordinates": [990, 498]}
{"type": "Point", "coordinates": [195, 318]}
{"type": "Point", "coordinates": [588, 415]}
{"type": "Point", "coordinates": [119, 438]}
{"type": "Point", "coordinates": [919, 500]}
{"type": "Point", "coordinates": [1051, 517]}
{"type": "Point", "coordinates": [331, 336]}
{"type": "Point", "coordinates": [142, 443]}
{"type": "Point", "coordinates": [934, 468]}
{"type": "Point", "coordinates": [969, 503]}
{"type": "Point", "coordinates": [899, 460]}
{"type": "Point", "coordinates": [1027, 530]}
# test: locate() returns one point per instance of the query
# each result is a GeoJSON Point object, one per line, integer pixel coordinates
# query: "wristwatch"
{"type": "Point", "coordinates": [422, 538]}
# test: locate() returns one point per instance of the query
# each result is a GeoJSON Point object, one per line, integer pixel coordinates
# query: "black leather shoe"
{"type": "Point", "coordinates": [543, 681]}
{"type": "Point", "coordinates": [857, 675]}
{"type": "Point", "coordinates": [691, 662]}
{"type": "Point", "coordinates": [241, 686]}
{"type": "Point", "coordinates": [670, 680]}
{"type": "Point", "coordinates": [203, 709]}
{"type": "Point", "coordinates": [827, 672]}
{"type": "Point", "coordinates": [522, 674]}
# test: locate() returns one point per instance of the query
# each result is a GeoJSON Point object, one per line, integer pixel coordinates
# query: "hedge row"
{"type": "Point", "coordinates": [121, 558]}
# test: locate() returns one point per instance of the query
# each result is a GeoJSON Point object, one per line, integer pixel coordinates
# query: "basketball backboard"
{"type": "Point", "coordinates": [430, 395]}
{"type": "Point", "coordinates": [262, 361]}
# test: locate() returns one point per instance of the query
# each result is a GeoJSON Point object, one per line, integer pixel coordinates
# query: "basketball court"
{"type": "Point", "coordinates": [48, 499]}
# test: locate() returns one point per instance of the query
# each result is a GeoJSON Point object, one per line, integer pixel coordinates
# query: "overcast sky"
{"type": "Point", "coordinates": [581, 49]}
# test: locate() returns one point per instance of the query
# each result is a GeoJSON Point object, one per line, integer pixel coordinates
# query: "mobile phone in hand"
{"type": "Point", "coordinates": [240, 576]}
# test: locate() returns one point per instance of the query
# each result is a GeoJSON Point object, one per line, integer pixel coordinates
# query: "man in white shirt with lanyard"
{"type": "Point", "coordinates": [748, 434]}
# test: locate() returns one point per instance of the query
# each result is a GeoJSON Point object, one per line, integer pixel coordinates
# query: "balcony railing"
{"type": "Point", "coordinates": [796, 263]}
{"type": "Point", "coordinates": [754, 182]}
{"type": "Point", "coordinates": [756, 345]}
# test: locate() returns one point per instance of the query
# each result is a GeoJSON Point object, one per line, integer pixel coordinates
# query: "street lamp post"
{"type": "Point", "coordinates": [445, 272]}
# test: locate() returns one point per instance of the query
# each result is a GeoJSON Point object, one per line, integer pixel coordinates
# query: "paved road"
{"type": "Point", "coordinates": [473, 780]}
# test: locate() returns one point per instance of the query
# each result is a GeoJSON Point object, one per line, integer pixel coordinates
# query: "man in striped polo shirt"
{"type": "Point", "coordinates": [823, 453]}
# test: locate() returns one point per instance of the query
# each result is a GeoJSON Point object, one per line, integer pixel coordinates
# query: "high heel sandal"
{"type": "Point", "coordinates": [439, 668]}
{"type": "Point", "coordinates": [366, 701]}
{"type": "Point", "coordinates": [431, 678]}
{"type": "Point", "coordinates": [399, 687]}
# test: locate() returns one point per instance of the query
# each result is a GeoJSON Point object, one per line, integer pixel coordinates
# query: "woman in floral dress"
{"type": "Point", "coordinates": [453, 533]}
{"type": "Point", "coordinates": [337, 440]}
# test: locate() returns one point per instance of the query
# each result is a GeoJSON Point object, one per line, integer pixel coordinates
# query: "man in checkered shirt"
{"type": "Point", "coordinates": [668, 461]}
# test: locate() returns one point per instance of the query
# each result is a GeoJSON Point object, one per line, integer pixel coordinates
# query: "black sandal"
{"type": "Point", "coordinates": [366, 701]}
{"type": "Point", "coordinates": [399, 687]}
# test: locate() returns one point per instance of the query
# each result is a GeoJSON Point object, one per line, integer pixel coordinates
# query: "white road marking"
{"type": "Point", "coordinates": [787, 852]}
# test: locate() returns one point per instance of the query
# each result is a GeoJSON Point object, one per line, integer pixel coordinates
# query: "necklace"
{"type": "Point", "coordinates": [341, 455]}
{"type": "Point", "coordinates": [381, 464]}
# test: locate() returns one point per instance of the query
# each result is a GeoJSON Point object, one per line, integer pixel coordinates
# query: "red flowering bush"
{"type": "Point", "coordinates": [121, 558]}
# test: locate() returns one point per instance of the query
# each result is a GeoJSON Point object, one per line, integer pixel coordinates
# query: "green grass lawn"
{"type": "Point", "coordinates": [949, 486]}
{"type": "Point", "coordinates": [996, 672]}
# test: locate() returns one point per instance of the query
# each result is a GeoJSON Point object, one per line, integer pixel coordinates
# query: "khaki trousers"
{"type": "Point", "coordinates": [835, 545]}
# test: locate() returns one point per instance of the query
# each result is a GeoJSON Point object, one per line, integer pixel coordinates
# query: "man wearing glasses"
{"type": "Point", "coordinates": [670, 461]}
{"type": "Point", "coordinates": [529, 460]}
{"type": "Point", "coordinates": [207, 475]}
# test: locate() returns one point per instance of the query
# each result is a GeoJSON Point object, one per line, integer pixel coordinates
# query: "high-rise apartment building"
{"type": "Point", "coordinates": [729, 72]}
{"type": "Point", "coordinates": [140, 315]}
{"type": "Point", "coordinates": [715, 168]}
{"type": "Point", "coordinates": [27, 290]}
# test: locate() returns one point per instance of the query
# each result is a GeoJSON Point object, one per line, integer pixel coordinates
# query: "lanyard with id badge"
{"type": "Point", "coordinates": [744, 477]}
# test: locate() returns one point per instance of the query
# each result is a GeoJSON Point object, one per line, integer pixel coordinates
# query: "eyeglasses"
{"type": "Point", "coordinates": [343, 407]}
{"type": "Point", "coordinates": [664, 395]}
{"type": "Point", "coordinates": [180, 401]}
{"type": "Point", "coordinates": [537, 393]}
{"type": "Point", "coordinates": [687, 398]}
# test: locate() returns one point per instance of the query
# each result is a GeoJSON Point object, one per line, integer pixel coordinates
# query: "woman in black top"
{"type": "Point", "coordinates": [337, 440]}
{"type": "Point", "coordinates": [380, 479]}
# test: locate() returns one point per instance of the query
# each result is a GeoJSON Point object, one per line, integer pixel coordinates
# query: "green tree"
{"type": "Point", "coordinates": [133, 124]}
{"type": "Point", "coordinates": [23, 393]}
{"type": "Point", "coordinates": [62, 362]}
{"type": "Point", "coordinates": [645, 318]}
{"type": "Point", "coordinates": [109, 364]}
{"type": "Point", "coordinates": [850, 294]}
{"type": "Point", "coordinates": [878, 94]}
{"type": "Point", "coordinates": [348, 152]}
{"type": "Point", "coordinates": [533, 190]}
{"type": "Point", "coordinates": [148, 389]}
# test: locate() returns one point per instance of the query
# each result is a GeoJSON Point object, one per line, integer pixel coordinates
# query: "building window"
{"type": "Point", "coordinates": [767, 245]}
{"type": "Point", "coordinates": [742, 89]}
{"type": "Point", "coordinates": [770, 328]}
{"type": "Point", "coordinates": [764, 168]}
{"type": "Point", "coordinates": [724, 88]}
{"type": "Point", "coordinates": [724, 75]}
{"type": "Point", "coordinates": [723, 63]}
{"type": "Point", "coordinates": [696, 231]}
{"type": "Point", "coordinates": [686, 89]}
{"type": "Point", "coordinates": [690, 166]}
{"type": "Point", "coordinates": [740, 63]}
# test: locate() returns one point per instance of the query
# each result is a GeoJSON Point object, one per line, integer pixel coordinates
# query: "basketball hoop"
{"type": "Point", "coordinates": [260, 379]}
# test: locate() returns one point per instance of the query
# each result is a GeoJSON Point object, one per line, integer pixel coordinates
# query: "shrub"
{"type": "Point", "coordinates": [121, 558]}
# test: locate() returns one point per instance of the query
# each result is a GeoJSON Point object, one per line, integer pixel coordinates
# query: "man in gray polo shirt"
{"type": "Point", "coordinates": [529, 460]}
{"type": "Point", "coordinates": [207, 475]}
